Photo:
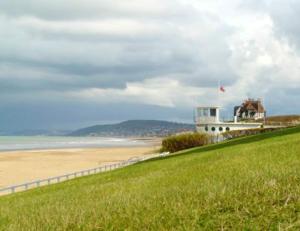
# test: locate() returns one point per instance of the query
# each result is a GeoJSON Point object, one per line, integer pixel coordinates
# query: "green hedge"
{"type": "Point", "coordinates": [184, 141]}
{"type": "Point", "coordinates": [240, 133]}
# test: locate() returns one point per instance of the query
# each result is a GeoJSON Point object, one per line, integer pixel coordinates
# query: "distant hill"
{"type": "Point", "coordinates": [139, 128]}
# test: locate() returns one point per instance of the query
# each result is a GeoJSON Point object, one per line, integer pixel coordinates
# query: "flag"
{"type": "Point", "coordinates": [222, 89]}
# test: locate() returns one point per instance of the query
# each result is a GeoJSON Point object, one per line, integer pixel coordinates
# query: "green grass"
{"type": "Point", "coordinates": [288, 120]}
{"type": "Point", "coordinates": [250, 183]}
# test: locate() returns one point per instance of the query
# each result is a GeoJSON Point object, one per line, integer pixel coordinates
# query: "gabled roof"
{"type": "Point", "coordinates": [252, 105]}
{"type": "Point", "coordinates": [249, 106]}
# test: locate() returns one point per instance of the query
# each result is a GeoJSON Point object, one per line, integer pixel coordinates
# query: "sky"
{"type": "Point", "coordinates": [66, 64]}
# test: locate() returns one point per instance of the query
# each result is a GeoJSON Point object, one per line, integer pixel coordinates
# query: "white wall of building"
{"type": "Point", "coordinates": [207, 121]}
{"type": "Point", "coordinates": [218, 128]}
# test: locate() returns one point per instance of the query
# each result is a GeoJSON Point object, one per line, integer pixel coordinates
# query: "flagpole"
{"type": "Point", "coordinates": [219, 96]}
{"type": "Point", "coordinates": [219, 86]}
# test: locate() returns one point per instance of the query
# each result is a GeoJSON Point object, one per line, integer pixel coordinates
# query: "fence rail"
{"type": "Point", "coordinates": [57, 179]}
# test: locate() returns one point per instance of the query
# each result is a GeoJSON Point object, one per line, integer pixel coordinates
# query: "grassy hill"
{"type": "Point", "coordinates": [135, 128]}
{"type": "Point", "coordinates": [251, 183]}
{"type": "Point", "coordinates": [284, 120]}
{"type": "Point", "coordinates": [289, 119]}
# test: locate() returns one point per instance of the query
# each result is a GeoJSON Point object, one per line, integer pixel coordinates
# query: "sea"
{"type": "Point", "coordinates": [14, 143]}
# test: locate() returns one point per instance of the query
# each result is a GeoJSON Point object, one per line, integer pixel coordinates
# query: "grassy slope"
{"type": "Point", "coordinates": [282, 120]}
{"type": "Point", "coordinates": [247, 183]}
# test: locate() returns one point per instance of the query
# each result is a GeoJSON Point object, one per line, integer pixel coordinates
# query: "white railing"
{"type": "Point", "coordinates": [57, 179]}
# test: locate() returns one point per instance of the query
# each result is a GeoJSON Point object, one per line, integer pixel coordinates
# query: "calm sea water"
{"type": "Point", "coordinates": [10, 143]}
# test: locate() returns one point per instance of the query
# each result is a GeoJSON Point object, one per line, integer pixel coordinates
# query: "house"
{"type": "Point", "coordinates": [207, 120]}
{"type": "Point", "coordinates": [250, 110]}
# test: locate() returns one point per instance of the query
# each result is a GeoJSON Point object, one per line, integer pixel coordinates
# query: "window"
{"type": "Point", "coordinates": [200, 112]}
{"type": "Point", "coordinates": [213, 129]}
{"type": "Point", "coordinates": [228, 129]}
{"type": "Point", "coordinates": [213, 112]}
{"type": "Point", "coordinates": [205, 112]}
{"type": "Point", "coordinates": [220, 129]}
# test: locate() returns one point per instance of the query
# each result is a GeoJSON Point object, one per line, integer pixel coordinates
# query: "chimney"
{"type": "Point", "coordinates": [235, 119]}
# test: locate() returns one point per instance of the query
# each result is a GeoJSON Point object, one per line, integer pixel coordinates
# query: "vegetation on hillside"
{"type": "Point", "coordinates": [249, 183]}
{"type": "Point", "coordinates": [180, 142]}
{"type": "Point", "coordinates": [282, 120]}
{"type": "Point", "coordinates": [247, 132]}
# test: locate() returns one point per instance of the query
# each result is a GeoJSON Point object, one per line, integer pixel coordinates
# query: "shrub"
{"type": "Point", "coordinates": [283, 120]}
{"type": "Point", "coordinates": [184, 141]}
{"type": "Point", "coordinates": [240, 133]}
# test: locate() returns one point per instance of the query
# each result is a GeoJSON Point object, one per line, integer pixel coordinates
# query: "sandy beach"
{"type": "Point", "coordinates": [23, 166]}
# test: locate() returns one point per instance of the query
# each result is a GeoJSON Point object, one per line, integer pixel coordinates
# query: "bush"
{"type": "Point", "coordinates": [240, 133]}
{"type": "Point", "coordinates": [184, 141]}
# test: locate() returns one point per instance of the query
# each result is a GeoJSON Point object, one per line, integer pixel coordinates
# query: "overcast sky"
{"type": "Point", "coordinates": [71, 63]}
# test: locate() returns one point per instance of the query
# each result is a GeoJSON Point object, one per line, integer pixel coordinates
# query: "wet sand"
{"type": "Point", "coordinates": [24, 166]}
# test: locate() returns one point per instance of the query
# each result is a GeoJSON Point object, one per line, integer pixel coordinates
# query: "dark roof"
{"type": "Point", "coordinates": [252, 105]}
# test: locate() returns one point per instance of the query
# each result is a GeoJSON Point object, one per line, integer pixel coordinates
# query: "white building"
{"type": "Point", "coordinates": [250, 109]}
{"type": "Point", "coordinates": [207, 120]}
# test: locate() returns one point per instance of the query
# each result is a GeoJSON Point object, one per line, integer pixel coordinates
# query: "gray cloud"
{"type": "Point", "coordinates": [165, 54]}
{"type": "Point", "coordinates": [112, 60]}
{"type": "Point", "coordinates": [285, 16]}
{"type": "Point", "coordinates": [94, 9]}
